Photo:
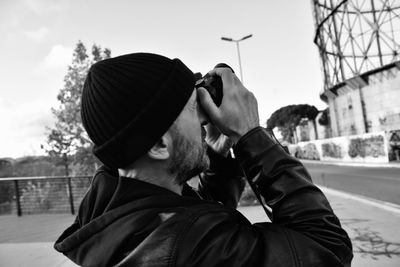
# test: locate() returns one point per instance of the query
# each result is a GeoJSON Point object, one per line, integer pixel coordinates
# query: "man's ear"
{"type": "Point", "coordinates": [160, 150]}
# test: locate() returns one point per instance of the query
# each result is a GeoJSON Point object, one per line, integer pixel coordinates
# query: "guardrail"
{"type": "Point", "coordinates": [42, 194]}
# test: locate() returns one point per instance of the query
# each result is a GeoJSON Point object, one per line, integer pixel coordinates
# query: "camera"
{"type": "Point", "coordinates": [213, 84]}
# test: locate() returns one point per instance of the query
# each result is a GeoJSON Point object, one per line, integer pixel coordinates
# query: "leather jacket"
{"type": "Point", "coordinates": [127, 222]}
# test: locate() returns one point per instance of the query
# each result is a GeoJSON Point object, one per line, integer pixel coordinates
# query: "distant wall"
{"type": "Point", "coordinates": [370, 147]}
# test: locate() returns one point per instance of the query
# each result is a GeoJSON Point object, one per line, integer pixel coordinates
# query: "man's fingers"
{"type": "Point", "coordinates": [207, 103]}
{"type": "Point", "coordinates": [224, 73]}
{"type": "Point", "coordinates": [227, 76]}
{"type": "Point", "coordinates": [220, 71]}
{"type": "Point", "coordinates": [229, 79]}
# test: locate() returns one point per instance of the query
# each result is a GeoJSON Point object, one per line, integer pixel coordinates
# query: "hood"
{"type": "Point", "coordinates": [116, 215]}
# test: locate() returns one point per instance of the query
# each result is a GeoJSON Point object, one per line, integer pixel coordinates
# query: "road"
{"type": "Point", "coordinates": [377, 183]}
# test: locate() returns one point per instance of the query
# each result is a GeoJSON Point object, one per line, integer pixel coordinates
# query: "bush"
{"type": "Point", "coordinates": [5, 208]}
{"type": "Point", "coordinates": [35, 197]}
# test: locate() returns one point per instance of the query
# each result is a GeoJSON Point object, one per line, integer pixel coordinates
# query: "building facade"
{"type": "Point", "coordinates": [369, 103]}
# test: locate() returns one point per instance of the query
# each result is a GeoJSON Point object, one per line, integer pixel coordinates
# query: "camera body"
{"type": "Point", "coordinates": [213, 84]}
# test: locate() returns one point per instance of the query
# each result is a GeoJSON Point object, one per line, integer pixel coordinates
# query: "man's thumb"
{"type": "Point", "coordinates": [207, 103]}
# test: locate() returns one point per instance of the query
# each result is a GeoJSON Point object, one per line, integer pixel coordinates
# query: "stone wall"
{"type": "Point", "coordinates": [371, 147]}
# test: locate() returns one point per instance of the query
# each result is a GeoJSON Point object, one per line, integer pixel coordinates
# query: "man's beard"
{"type": "Point", "coordinates": [187, 160]}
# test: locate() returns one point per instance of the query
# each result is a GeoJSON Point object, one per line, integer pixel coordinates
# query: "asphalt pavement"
{"type": "Point", "coordinates": [381, 183]}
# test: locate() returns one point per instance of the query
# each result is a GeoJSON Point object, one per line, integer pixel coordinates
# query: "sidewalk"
{"type": "Point", "coordinates": [392, 164]}
{"type": "Point", "coordinates": [28, 240]}
{"type": "Point", "coordinates": [374, 231]}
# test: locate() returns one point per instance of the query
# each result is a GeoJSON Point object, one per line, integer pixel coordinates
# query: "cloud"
{"type": "Point", "coordinates": [37, 35]}
{"type": "Point", "coordinates": [47, 6]}
{"type": "Point", "coordinates": [59, 56]}
{"type": "Point", "coordinates": [26, 127]}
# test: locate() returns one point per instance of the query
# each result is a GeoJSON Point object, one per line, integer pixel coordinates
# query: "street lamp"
{"type": "Point", "coordinates": [238, 50]}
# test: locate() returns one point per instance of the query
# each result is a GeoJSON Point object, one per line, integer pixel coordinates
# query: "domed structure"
{"type": "Point", "coordinates": [359, 45]}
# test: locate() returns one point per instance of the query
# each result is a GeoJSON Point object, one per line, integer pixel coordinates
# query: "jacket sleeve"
{"type": "Point", "coordinates": [223, 181]}
{"type": "Point", "coordinates": [304, 230]}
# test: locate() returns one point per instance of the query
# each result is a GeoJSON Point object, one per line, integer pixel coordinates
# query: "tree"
{"type": "Point", "coordinates": [6, 187]}
{"type": "Point", "coordinates": [67, 141]}
{"type": "Point", "coordinates": [324, 119]}
{"type": "Point", "coordinates": [288, 117]}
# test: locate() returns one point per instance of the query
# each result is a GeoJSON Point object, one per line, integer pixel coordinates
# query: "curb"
{"type": "Point", "coordinates": [388, 206]}
{"type": "Point", "coordinates": [353, 164]}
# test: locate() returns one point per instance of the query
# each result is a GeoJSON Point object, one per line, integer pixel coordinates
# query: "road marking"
{"type": "Point", "coordinates": [372, 202]}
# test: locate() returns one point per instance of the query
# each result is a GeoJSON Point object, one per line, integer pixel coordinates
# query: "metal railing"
{"type": "Point", "coordinates": [56, 194]}
{"type": "Point", "coordinates": [42, 194]}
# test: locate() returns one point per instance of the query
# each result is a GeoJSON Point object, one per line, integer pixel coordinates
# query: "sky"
{"type": "Point", "coordinates": [280, 63]}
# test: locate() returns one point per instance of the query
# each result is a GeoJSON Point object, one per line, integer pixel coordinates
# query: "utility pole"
{"type": "Point", "coordinates": [238, 50]}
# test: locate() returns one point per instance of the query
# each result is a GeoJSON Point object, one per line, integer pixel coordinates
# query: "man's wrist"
{"type": "Point", "coordinates": [254, 142]}
{"type": "Point", "coordinates": [236, 137]}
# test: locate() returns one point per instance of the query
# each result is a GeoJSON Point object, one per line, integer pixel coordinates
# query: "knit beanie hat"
{"type": "Point", "coordinates": [130, 101]}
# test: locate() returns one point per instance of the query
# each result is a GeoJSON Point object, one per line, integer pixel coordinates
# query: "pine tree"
{"type": "Point", "coordinates": [288, 117]}
{"type": "Point", "coordinates": [67, 141]}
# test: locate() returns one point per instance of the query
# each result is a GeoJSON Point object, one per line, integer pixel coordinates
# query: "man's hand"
{"type": "Point", "coordinates": [217, 141]}
{"type": "Point", "coordinates": [238, 112]}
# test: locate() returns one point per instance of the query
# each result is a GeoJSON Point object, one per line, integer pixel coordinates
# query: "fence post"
{"type": "Point", "coordinates": [71, 197]}
{"type": "Point", "coordinates": [19, 212]}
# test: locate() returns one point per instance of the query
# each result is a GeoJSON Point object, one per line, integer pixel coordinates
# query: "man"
{"type": "Point", "coordinates": [147, 121]}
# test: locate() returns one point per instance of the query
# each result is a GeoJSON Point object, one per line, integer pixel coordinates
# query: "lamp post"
{"type": "Point", "coordinates": [238, 50]}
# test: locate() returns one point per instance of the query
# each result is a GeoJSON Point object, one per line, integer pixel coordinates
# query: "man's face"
{"type": "Point", "coordinates": [188, 155]}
